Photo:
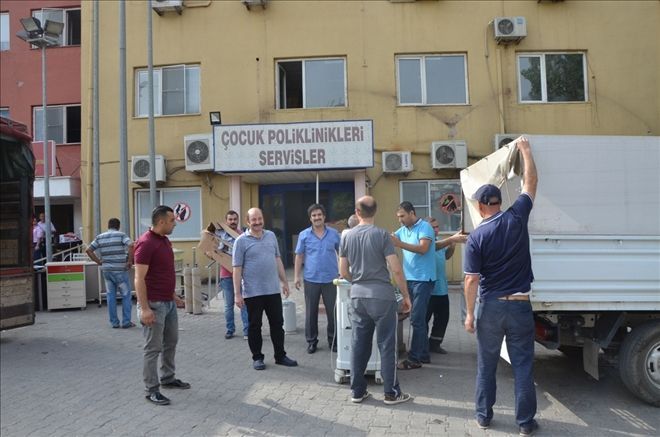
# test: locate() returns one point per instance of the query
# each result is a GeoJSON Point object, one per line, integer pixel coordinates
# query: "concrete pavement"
{"type": "Point", "coordinates": [71, 374]}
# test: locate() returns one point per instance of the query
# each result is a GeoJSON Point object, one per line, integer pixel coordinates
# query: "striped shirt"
{"type": "Point", "coordinates": [112, 248]}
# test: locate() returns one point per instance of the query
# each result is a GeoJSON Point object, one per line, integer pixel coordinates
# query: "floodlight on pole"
{"type": "Point", "coordinates": [43, 38]}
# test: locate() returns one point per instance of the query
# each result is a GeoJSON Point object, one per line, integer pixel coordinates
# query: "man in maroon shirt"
{"type": "Point", "coordinates": [157, 303]}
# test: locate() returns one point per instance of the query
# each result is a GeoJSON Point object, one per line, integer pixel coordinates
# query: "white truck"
{"type": "Point", "coordinates": [595, 245]}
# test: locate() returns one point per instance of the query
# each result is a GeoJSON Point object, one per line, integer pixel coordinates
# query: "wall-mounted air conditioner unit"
{"type": "Point", "coordinates": [500, 140]}
{"type": "Point", "coordinates": [397, 162]}
{"type": "Point", "coordinates": [141, 169]}
{"type": "Point", "coordinates": [509, 29]}
{"type": "Point", "coordinates": [162, 6]}
{"type": "Point", "coordinates": [252, 3]}
{"type": "Point", "coordinates": [448, 154]}
{"type": "Point", "coordinates": [198, 150]}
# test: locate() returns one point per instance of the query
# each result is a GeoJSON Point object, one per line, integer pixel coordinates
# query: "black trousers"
{"type": "Point", "coordinates": [271, 304]}
{"type": "Point", "coordinates": [439, 309]}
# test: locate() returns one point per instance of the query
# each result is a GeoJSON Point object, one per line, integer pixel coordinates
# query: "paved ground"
{"type": "Point", "coordinates": [70, 374]}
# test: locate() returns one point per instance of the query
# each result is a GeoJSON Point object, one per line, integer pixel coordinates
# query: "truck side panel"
{"type": "Point", "coordinates": [575, 273]}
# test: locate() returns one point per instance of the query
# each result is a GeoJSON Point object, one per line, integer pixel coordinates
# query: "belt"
{"type": "Point", "coordinates": [514, 297]}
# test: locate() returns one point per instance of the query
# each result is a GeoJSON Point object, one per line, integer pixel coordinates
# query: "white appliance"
{"type": "Point", "coordinates": [343, 331]}
{"type": "Point", "coordinates": [397, 162]}
{"type": "Point", "coordinates": [141, 169]}
{"type": "Point", "coordinates": [448, 154]}
{"type": "Point", "coordinates": [198, 151]}
{"type": "Point", "coordinates": [509, 29]}
{"type": "Point", "coordinates": [161, 6]}
{"type": "Point", "coordinates": [501, 140]}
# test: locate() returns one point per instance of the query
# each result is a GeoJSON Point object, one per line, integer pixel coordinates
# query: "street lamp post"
{"type": "Point", "coordinates": [43, 37]}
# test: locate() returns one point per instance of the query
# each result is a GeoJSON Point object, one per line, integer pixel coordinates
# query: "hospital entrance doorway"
{"type": "Point", "coordinates": [285, 210]}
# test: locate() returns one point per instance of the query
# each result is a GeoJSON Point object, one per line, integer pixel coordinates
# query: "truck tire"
{"type": "Point", "coordinates": [639, 362]}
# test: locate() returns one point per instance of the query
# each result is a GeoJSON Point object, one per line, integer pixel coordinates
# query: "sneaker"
{"type": "Point", "coordinates": [311, 348]}
{"type": "Point", "coordinates": [177, 383]}
{"type": "Point", "coordinates": [437, 349]}
{"type": "Point", "coordinates": [359, 399]}
{"type": "Point", "coordinates": [425, 360]}
{"type": "Point", "coordinates": [286, 361]}
{"type": "Point", "coordinates": [529, 428]}
{"type": "Point", "coordinates": [397, 399]}
{"type": "Point", "coordinates": [157, 398]}
{"type": "Point", "coordinates": [483, 423]}
{"type": "Point", "coordinates": [229, 335]}
{"type": "Point", "coordinates": [258, 365]}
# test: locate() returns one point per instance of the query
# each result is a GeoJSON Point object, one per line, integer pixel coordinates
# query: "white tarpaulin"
{"type": "Point", "coordinates": [588, 185]}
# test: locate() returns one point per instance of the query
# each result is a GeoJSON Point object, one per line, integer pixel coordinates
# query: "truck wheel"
{"type": "Point", "coordinates": [639, 362]}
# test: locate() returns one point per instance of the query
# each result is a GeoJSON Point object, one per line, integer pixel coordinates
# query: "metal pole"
{"type": "Point", "coordinates": [44, 131]}
{"type": "Point", "coordinates": [123, 136]}
{"type": "Point", "coordinates": [317, 187]}
{"type": "Point", "coordinates": [95, 123]}
{"type": "Point", "coordinates": [152, 130]}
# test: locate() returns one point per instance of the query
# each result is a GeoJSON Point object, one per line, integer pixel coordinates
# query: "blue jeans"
{"type": "Point", "coordinates": [160, 339]}
{"type": "Point", "coordinates": [420, 293]}
{"type": "Point", "coordinates": [227, 286]}
{"type": "Point", "coordinates": [495, 320]}
{"type": "Point", "coordinates": [118, 281]}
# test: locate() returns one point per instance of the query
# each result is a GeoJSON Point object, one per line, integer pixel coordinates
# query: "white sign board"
{"type": "Point", "coordinates": [322, 145]}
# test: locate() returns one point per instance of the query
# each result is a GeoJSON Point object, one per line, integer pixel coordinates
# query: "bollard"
{"type": "Point", "coordinates": [289, 312]}
{"type": "Point", "coordinates": [187, 288]}
{"type": "Point", "coordinates": [196, 291]}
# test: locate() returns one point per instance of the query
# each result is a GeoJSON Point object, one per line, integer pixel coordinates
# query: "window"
{"type": "Point", "coordinates": [71, 19]}
{"type": "Point", "coordinates": [432, 80]}
{"type": "Point", "coordinates": [552, 77]}
{"type": "Point", "coordinates": [62, 124]}
{"type": "Point", "coordinates": [4, 31]}
{"type": "Point", "coordinates": [311, 83]}
{"type": "Point", "coordinates": [188, 200]}
{"type": "Point", "coordinates": [176, 91]}
{"type": "Point", "coordinates": [4, 112]}
{"type": "Point", "coordinates": [440, 199]}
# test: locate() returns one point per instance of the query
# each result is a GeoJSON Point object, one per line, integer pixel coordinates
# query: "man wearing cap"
{"type": "Point", "coordinates": [498, 265]}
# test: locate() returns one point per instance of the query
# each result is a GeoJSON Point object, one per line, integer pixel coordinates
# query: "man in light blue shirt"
{"type": "Point", "coordinates": [258, 278]}
{"type": "Point", "coordinates": [416, 238]}
{"type": "Point", "coordinates": [317, 248]}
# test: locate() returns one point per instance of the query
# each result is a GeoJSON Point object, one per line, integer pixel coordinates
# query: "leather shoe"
{"type": "Point", "coordinates": [157, 398]}
{"type": "Point", "coordinates": [286, 361]}
{"type": "Point", "coordinates": [177, 383]}
{"type": "Point", "coordinates": [311, 348]}
{"type": "Point", "coordinates": [258, 365]}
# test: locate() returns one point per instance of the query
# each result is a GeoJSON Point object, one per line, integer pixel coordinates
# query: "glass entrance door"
{"type": "Point", "coordinates": [285, 209]}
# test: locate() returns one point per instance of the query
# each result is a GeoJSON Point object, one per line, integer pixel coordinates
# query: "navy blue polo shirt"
{"type": "Point", "coordinates": [498, 251]}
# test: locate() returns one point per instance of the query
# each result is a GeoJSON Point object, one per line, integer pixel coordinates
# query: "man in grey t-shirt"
{"type": "Point", "coordinates": [365, 253]}
{"type": "Point", "coordinates": [258, 276]}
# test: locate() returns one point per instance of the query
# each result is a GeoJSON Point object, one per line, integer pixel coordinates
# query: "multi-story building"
{"type": "Point", "coordinates": [21, 100]}
{"type": "Point", "coordinates": [389, 98]}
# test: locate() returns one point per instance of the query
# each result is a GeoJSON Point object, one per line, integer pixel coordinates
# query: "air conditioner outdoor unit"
{"type": "Point", "coordinates": [501, 140]}
{"type": "Point", "coordinates": [448, 154]}
{"type": "Point", "coordinates": [251, 3]}
{"type": "Point", "coordinates": [141, 169]}
{"type": "Point", "coordinates": [198, 150]}
{"type": "Point", "coordinates": [397, 162]}
{"type": "Point", "coordinates": [161, 6]}
{"type": "Point", "coordinates": [510, 29]}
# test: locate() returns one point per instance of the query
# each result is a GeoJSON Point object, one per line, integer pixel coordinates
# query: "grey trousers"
{"type": "Point", "coordinates": [160, 339]}
{"type": "Point", "coordinates": [367, 316]}
{"type": "Point", "coordinates": [313, 293]}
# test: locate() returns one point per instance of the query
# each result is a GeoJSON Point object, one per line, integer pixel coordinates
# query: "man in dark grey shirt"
{"type": "Point", "coordinates": [365, 253]}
